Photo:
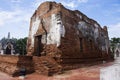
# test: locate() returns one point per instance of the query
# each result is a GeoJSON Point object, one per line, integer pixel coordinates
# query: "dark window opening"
{"type": "Point", "coordinates": [91, 45]}
{"type": "Point", "coordinates": [81, 45]}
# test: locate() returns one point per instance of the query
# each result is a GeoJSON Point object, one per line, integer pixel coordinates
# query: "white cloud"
{"type": "Point", "coordinates": [65, 3]}
{"type": "Point", "coordinates": [82, 1]}
{"type": "Point", "coordinates": [69, 4]}
{"type": "Point", "coordinates": [16, 22]}
{"type": "Point", "coordinates": [114, 30]}
{"type": "Point", "coordinates": [16, 1]}
{"type": "Point", "coordinates": [5, 16]}
{"type": "Point", "coordinates": [15, 16]}
{"type": "Point", "coordinates": [36, 3]}
{"type": "Point", "coordinates": [72, 4]}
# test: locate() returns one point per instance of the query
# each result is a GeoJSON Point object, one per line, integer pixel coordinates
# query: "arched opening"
{"type": "Point", "coordinates": [38, 47]}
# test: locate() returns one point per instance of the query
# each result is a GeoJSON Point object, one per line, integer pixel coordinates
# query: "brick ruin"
{"type": "Point", "coordinates": [60, 39]}
{"type": "Point", "coordinates": [68, 37]}
{"type": "Point", "coordinates": [57, 31]}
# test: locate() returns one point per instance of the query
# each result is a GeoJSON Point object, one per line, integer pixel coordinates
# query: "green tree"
{"type": "Point", "coordinates": [21, 46]}
{"type": "Point", "coordinates": [115, 40]}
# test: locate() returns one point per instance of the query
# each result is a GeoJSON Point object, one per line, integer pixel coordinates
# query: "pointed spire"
{"type": "Point", "coordinates": [8, 35]}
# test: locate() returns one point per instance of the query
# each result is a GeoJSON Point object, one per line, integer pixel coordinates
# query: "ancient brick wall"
{"type": "Point", "coordinates": [12, 64]}
{"type": "Point", "coordinates": [46, 65]}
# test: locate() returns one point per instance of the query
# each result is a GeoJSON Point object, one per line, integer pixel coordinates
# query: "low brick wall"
{"type": "Point", "coordinates": [73, 63]}
{"type": "Point", "coordinates": [46, 65]}
{"type": "Point", "coordinates": [12, 64]}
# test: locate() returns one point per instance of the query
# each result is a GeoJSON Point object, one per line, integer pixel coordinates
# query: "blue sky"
{"type": "Point", "coordinates": [15, 14]}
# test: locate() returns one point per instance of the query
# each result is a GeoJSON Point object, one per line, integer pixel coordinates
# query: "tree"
{"type": "Point", "coordinates": [115, 40]}
{"type": "Point", "coordinates": [21, 46]}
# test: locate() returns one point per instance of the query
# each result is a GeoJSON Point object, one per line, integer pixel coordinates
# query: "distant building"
{"type": "Point", "coordinates": [1, 49]}
{"type": "Point", "coordinates": [6, 46]}
{"type": "Point", "coordinates": [117, 50]}
{"type": "Point", "coordinates": [9, 50]}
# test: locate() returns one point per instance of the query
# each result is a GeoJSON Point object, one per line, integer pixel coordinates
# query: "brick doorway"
{"type": "Point", "coordinates": [38, 45]}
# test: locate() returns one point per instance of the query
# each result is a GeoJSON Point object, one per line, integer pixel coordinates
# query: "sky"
{"type": "Point", "coordinates": [15, 14]}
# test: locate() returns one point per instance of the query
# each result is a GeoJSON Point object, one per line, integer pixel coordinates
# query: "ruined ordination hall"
{"type": "Point", "coordinates": [59, 39]}
{"type": "Point", "coordinates": [65, 36]}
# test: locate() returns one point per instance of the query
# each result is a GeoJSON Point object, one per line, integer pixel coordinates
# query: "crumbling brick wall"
{"type": "Point", "coordinates": [57, 31]}
{"type": "Point", "coordinates": [12, 64]}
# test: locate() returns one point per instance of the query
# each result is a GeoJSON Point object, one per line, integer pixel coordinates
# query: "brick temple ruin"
{"type": "Point", "coordinates": [68, 37]}
{"type": "Point", "coordinates": [61, 39]}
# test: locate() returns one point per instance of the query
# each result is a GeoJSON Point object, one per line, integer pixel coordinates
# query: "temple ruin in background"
{"type": "Point", "coordinates": [6, 46]}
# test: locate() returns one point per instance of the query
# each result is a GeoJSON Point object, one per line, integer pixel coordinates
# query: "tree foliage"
{"type": "Point", "coordinates": [21, 46]}
{"type": "Point", "coordinates": [115, 40]}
